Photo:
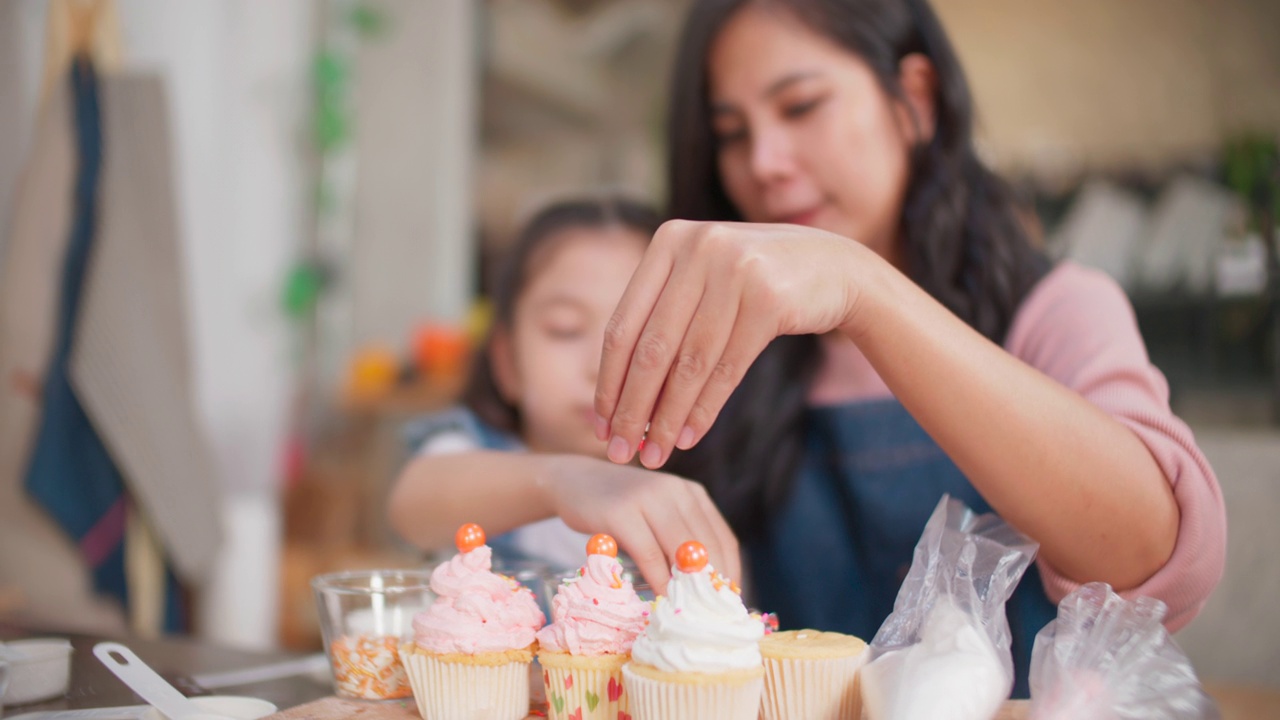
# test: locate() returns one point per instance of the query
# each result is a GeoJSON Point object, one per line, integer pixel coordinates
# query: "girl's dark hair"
{"type": "Point", "coordinates": [530, 249]}
{"type": "Point", "coordinates": [963, 237]}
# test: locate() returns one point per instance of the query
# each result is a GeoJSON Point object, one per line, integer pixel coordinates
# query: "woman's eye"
{"type": "Point", "coordinates": [796, 110]}
{"type": "Point", "coordinates": [730, 137]}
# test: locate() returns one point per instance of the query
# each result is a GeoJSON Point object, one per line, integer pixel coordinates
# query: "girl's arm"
{"type": "Point", "coordinates": [649, 513]}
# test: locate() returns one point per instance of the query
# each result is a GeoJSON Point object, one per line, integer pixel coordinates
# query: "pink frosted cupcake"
{"type": "Point", "coordinates": [473, 646]}
{"type": "Point", "coordinates": [597, 617]}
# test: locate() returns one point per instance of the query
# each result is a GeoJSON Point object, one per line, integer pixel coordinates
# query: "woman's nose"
{"type": "Point", "coordinates": [771, 155]}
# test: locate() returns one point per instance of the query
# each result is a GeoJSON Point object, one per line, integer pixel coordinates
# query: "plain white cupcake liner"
{"type": "Point", "coordinates": [820, 689]}
{"type": "Point", "coordinates": [660, 700]}
{"type": "Point", "coordinates": [459, 691]}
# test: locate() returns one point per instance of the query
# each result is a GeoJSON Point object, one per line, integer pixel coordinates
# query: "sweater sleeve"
{"type": "Point", "coordinates": [1078, 327]}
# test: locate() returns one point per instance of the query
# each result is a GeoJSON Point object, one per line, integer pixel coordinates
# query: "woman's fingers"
{"type": "Point", "coordinates": [651, 362]}
{"type": "Point", "coordinates": [748, 340]}
{"type": "Point", "coordinates": [703, 345]}
{"type": "Point", "coordinates": [623, 331]}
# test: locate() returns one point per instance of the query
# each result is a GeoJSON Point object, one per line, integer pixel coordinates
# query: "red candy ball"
{"type": "Point", "coordinates": [602, 545]}
{"type": "Point", "coordinates": [691, 557]}
{"type": "Point", "coordinates": [469, 537]}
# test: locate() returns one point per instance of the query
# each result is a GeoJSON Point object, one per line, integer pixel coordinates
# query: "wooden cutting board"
{"type": "Point", "coordinates": [333, 708]}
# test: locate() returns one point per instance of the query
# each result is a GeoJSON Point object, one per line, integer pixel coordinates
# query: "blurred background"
{"type": "Point", "coordinates": [315, 189]}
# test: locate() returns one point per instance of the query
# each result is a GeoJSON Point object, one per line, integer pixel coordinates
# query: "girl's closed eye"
{"type": "Point", "coordinates": [563, 320]}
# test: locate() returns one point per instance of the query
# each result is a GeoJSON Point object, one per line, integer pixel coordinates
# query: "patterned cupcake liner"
{"type": "Point", "coordinates": [585, 694]}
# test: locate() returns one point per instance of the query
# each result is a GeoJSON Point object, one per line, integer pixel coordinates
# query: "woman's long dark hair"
{"type": "Point", "coordinates": [963, 237]}
{"type": "Point", "coordinates": [530, 249]}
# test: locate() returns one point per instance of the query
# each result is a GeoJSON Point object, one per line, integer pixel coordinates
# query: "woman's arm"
{"type": "Point", "coordinates": [708, 297]}
{"type": "Point", "coordinates": [1050, 462]}
{"type": "Point", "coordinates": [649, 513]}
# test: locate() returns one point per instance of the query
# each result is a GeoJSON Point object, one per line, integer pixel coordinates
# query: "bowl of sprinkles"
{"type": "Point", "coordinates": [364, 616]}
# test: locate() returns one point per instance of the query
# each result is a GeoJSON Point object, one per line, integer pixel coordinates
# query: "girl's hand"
{"type": "Point", "coordinates": [649, 513]}
{"type": "Point", "coordinates": [705, 301]}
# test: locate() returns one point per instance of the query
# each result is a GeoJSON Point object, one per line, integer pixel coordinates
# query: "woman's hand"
{"type": "Point", "coordinates": [649, 513]}
{"type": "Point", "coordinates": [705, 301]}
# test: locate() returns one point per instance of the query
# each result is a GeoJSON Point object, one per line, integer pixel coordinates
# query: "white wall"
{"type": "Point", "coordinates": [415, 137]}
{"type": "Point", "coordinates": [236, 73]}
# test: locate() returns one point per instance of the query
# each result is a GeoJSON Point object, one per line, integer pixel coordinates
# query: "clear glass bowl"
{"type": "Point", "coordinates": [364, 616]}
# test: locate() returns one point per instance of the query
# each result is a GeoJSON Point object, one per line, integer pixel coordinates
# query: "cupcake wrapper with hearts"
{"type": "Point", "coordinates": [658, 700]}
{"type": "Point", "coordinates": [585, 694]}
{"type": "Point", "coordinates": [456, 691]}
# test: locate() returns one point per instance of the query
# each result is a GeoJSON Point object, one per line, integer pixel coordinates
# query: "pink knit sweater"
{"type": "Point", "coordinates": [1078, 327]}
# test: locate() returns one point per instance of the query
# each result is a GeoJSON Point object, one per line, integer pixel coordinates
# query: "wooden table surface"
{"type": "Point", "coordinates": [336, 709]}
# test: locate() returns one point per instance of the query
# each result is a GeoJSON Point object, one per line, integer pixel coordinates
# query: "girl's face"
{"type": "Point", "coordinates": [806, 135]}
{"type": "Point", "coordinates": [546, 363]}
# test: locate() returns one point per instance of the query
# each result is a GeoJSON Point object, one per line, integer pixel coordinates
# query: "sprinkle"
{"type": "Point", "coordinates": [595, 601]}
{"type": "Point", "coordinates": [368, 667]}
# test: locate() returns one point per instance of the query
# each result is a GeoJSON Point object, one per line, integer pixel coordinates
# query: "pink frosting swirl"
{"type": "Point", "coordinates": [596, 614]}
{"type": "Point", "coordinates": [476, 610]}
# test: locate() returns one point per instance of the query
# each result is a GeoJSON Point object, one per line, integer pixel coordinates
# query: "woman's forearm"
{"type": "Point", "coordinates": [1050, 462]}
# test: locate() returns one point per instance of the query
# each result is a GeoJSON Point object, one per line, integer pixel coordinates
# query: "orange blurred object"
{"type": "Point", "coordinates": [602, 545]}
{"type": "Point", "coordinates": [469, 537]}
{"type": "Point", "coordinates": [373, 373]}
{"type": "Point", "coordinates": [440, 350]}
{"type": "Point", "coordinates": [691, 557]}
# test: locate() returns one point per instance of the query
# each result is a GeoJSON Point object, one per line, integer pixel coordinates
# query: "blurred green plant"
{"type": "Point", "coordinates": [1252, 168]}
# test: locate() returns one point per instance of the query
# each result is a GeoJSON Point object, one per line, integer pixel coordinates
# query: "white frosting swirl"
{"type": "Point", "coordinates": [700, 626]}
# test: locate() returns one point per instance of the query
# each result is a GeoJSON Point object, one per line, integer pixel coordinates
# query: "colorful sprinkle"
{"type": "Point", "coordinates": [368, 667]}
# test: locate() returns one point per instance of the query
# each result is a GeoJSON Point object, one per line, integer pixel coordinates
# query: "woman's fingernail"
{"type": "Point", "coordinates": [619, 450]}
{"type": "Point", "coordinates": [685, 441]}
{"type": "Point", "coordinates": [650, 455]}
{"type": "Point", "coordinates": [602, 428]}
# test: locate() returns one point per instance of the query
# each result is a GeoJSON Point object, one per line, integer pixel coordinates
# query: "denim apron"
{"type": "Point", "coordinates": [835, 553]}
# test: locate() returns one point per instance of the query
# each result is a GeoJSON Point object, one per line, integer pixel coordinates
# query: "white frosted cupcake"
{"type": "Point", "coordinates": [699, 657]}
{"type": "Point", "coordinates": [473, 646]}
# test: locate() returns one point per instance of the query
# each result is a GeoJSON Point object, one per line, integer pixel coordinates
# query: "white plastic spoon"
{"type": "Point", "coordinates": [148, 684]}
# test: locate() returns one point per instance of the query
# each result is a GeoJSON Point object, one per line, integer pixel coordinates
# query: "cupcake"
{"type": "Point", "coordinates": [811, 675]}
{"type": "Point", "coordinates": [595, 619]}
{"type": "Point", "coordinates": [699, 656]}
{"type": "Point", "coordinates": [473, 646]}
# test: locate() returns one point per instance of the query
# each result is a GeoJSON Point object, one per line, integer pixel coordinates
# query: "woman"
{"type": "Point", "coordinates": [829, 196]}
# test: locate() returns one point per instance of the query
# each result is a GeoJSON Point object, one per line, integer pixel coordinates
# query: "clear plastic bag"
{"type": "Point", "coordinates": [944, 652]}
{"type": "Point", "coordinates": [1107, 658]}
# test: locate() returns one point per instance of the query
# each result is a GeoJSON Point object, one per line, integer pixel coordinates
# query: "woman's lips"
{"type": "Point", "coordinates": [804, 217]}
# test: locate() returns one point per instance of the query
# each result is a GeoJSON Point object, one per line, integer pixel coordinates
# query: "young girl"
{"type": "Point", "coordinates": [822, 161]}
{"type": "Point", "coordinates": [521, 454]}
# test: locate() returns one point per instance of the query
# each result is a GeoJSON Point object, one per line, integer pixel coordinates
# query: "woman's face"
{"type": "Point", "coordinates": [806, 135]}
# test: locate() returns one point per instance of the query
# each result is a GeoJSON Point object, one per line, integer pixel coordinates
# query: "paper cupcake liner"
{"type": "Point", "coordinates": [585, 694]}
{"type": "Point", "coordinates": [825, 689]}
{"type": "Point", "coordinates": [659, 700]}
{"type": "Point", "coordinates": [455, 691]}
